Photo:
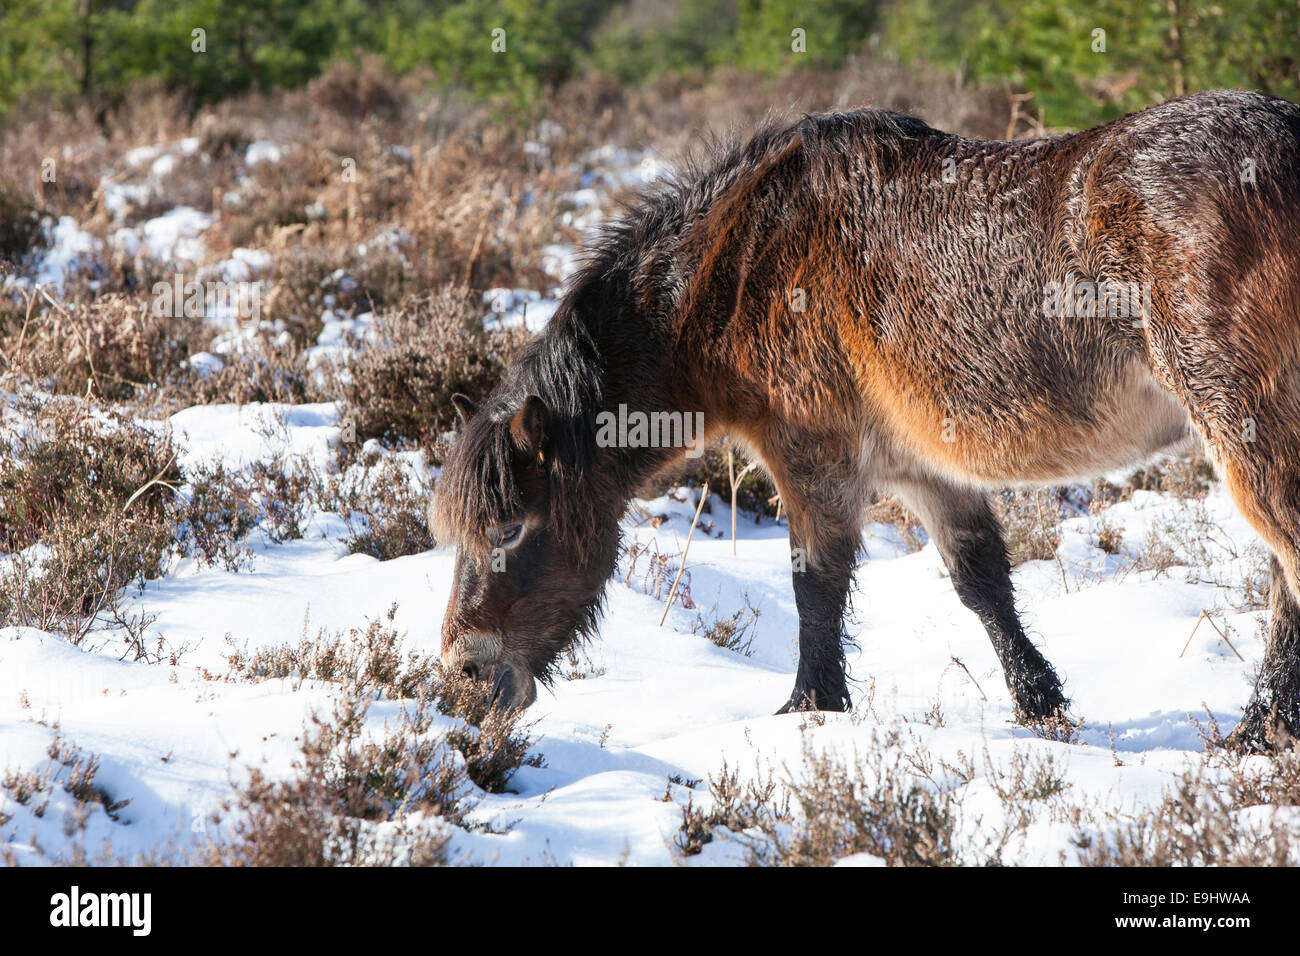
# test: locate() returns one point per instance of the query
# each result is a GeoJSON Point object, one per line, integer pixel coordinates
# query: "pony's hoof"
{"type": "Point", "coordinates": [1057, 725]}
{"type": "Point", "coordinates": [1043, 703]}
{"type": "Point", "coordinates": [812, 699]}
{"type": "Point", "coordinates": [1260, 733]}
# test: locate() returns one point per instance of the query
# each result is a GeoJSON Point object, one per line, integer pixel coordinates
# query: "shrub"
{"type": "Point", "coordinates": [344, 788]}
{"type": "Point", "coordinates": [97, 496]}
{"type": "Point", "coordinates": [491, 743]}
{"type": "Point", "coordinates": [215, 516]}
{"type": "Point", "coordinates": [73, 771]}
{"type": "Point", "coordinates": [373, 662]}
{"type": "Point", "coordinates": [20, 223]}
{"type": "Point", "coordinates": [371, 659]}
{"type": "Point", "coordinates": [357, 91]}
{"type": "Point", "coordinates": [734, 632]}
{"type": "Point", "coordinates": [1031, 523]}
{"type": "Point", "coordinates": [261, 370]}
{"type": "Point", "coordinates": [1186, 478]}
{"type": "Point", "coordinates": [386, 510]}
{"type": "Point", "coordinates": [886, 509]}
{"type": "Point", "coordinates": [401, 385]}
{"type": "Point", "coordinates": [1198, 823]}
{"type": "Point", "coordinates": [868, 806]}
{"type": "Point", "coordinates": [756, 493]}
{"type": "Point", "coordinates": [113, 344]}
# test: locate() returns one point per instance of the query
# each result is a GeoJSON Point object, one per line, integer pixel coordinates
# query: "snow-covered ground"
{"type": "Point", "coordinates": [643, 704]}
{"type": "Point", "coordinates": [654, 702]}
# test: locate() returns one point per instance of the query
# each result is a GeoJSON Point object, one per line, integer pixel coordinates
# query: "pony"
{"type": "Point", "coordinates": [866, 304]}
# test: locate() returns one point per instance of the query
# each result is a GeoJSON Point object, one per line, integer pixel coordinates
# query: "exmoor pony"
{"type": "Point", "coordinates": [866, 304]}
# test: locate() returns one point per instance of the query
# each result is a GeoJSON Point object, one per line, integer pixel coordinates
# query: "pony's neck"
{"type": "Point", "coordinates": [645, 418]}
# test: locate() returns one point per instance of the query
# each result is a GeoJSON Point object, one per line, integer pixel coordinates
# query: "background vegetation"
{"type": "Point", "coordinates": [1083, 60]}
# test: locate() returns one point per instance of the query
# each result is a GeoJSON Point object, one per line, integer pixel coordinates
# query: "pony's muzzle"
{"type": "Point", "coordinates": [512, 688]}
{"type": "Point", "coordinates": [481, 660]}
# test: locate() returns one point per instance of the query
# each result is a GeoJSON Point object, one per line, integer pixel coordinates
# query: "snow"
{"type": "Point", "coordinates": [237, 435]}
{"type": "Point", "coordinates": [142, 155]}
{"type": "Point", "coordinates": [337, 328]}
{"type": "Point", "coordinates": [516, 308]}
{"type": "Point", "coordinates": [205, 363]}
{"type": "Point", "coordinates": [119, 196]}
{"type": "Point", "coordinates": [262, 151]}
{"type": "Point", "coordinates": [655, 702]}
{"type": "Point", "coordinates": [242, 265]}
{"type": "Point", "coordinates": [71, 250]}
{"type": "Point", "coordinates": [173, 236]}
{"type": "Point", "coordinates": [389, 239]}
{"type": "Point", "coordinates": [560, 261]}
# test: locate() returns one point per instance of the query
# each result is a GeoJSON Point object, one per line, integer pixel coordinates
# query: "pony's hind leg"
{"type": "Point", "coordinates": [1260, 464]}
{"type": "Point", "coordinates": [1253, 435]}
{"type": "Point", "coordinates": [1272, 718]}
{"type": "Point", "coordinates": [970, 541]}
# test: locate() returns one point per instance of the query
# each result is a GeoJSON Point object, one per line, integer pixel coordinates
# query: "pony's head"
{"type": "Point", "coordinates": [536, 538]}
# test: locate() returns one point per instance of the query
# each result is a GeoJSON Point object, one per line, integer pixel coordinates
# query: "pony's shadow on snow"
{"type": "Point", "coordinates": [569, 760]}
{"type": "Point", "coordinates": [1159, 730]}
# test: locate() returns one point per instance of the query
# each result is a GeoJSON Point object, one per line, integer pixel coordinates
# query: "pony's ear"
{"type": "Point", "coordinates": [530, 427]}
{"type": "Point", "coordinates": [464, 407]}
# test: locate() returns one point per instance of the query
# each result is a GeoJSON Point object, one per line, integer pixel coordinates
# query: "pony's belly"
{"type": "Point", "coordinates": [1047, 453]}
{"type": "Point", "coordinates": [1024, 442]}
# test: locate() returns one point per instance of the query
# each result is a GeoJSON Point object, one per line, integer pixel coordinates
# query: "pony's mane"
{"type": "Point", "coordinates": [478, 489]}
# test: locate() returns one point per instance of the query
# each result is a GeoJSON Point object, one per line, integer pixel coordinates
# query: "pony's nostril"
{"type": "Point", "coordinates": [470, 671]}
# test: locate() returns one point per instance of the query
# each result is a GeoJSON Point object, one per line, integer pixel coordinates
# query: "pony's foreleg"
{"type": "Point", "coordinates": [821, 590]}
{"type": "Point", "coordinates": [970, 541]}
{"type": "Point", "coordinates": [818, 476]}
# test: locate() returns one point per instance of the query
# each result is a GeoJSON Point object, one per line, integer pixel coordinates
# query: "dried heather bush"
{"type": "Point", "coordinates": [113, 344]}
{"type": "Point", "coordinates": [372, 663]}
{"type": "Point", "coordinates": [358, 91]}
{"type": "Point", "coordinates": [80, 769]}
{"type": "Point", "coordinates": [260, 370]}
{"type": "Point", "coordinates": [734, 632]}
{"type": "Point", "coordinates": [736, 805]}
{"type": "Point", "coordinates": [868, 806]}
{"type": "Point", "coordinates": [97, 496]}
{"type": "Point", "coordinates": [74, 771]}
{"type": "Point", "coordinates": [385, 509]}
{"type": "Point", "coordinates": [401, 385]}
{"type": "Point", "coordinates": [1187, 478]}
{"type": "Point", "coordinates": [214, 515]}
{"type": "Point", "coordinates": [1200, 822]}
{"type": "Point", "coordinates": [886, 509]}
{"type": "Point", "coordinates": [351, 800]}
{"type": "Point", "coordinates": [1031, 523]}
{"type": "Point", "coordinates": [491, 743]}
{"type": "Point", "coordinates": [20, 222]}
{"type": "Point", "coordinates": [371, 659]}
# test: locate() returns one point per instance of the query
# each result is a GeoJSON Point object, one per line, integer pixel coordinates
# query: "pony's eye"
{"type": "Point", "coordinates": [511, 533]}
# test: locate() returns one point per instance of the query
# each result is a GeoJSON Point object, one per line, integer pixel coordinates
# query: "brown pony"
{"type": "Point", "coordinates": [871, 304]}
